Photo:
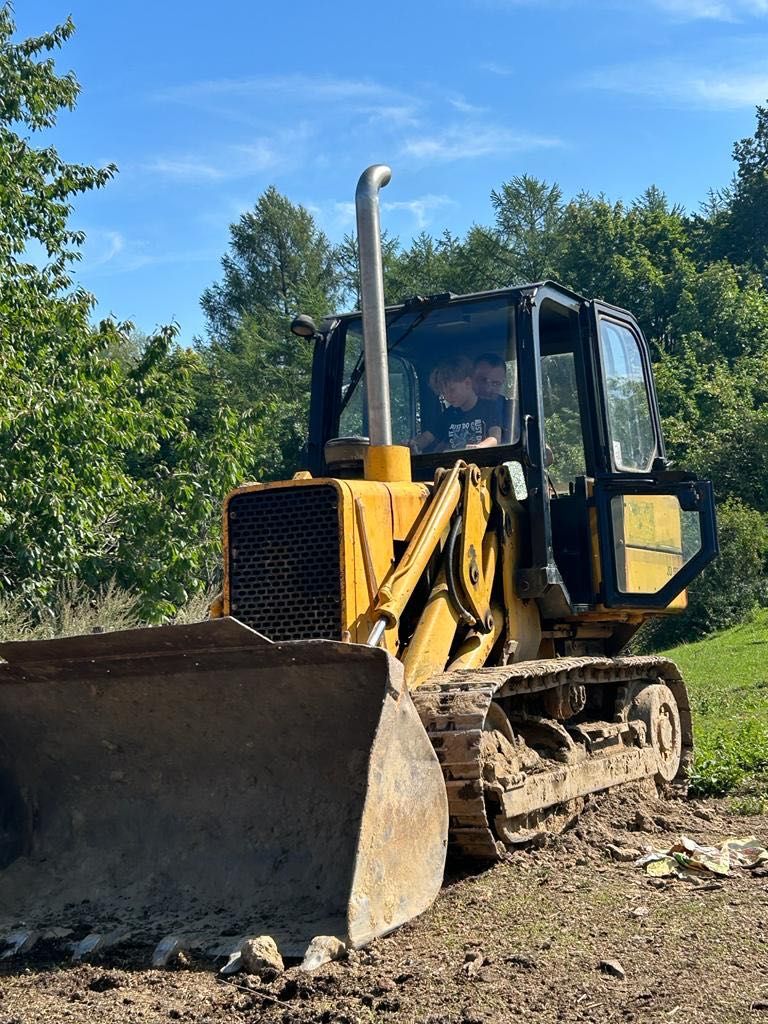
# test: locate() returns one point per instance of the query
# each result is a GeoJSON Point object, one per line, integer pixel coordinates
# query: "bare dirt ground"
{"type": "Point", "coordinates": [523, 940]}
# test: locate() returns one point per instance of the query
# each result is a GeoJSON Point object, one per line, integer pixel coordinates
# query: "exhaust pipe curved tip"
{"type": "Point", "coordinates": [372, 180]}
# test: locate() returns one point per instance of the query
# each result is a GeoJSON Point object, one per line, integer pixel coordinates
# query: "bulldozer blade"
{"type": "Point", "coordinates": [203, 779]}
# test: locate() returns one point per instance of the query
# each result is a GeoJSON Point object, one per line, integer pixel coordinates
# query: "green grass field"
{"type": "Point", "coordinates": [727, 675]}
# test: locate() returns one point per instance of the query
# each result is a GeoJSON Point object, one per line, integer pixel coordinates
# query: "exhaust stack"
{"type": "Point", "coordinates": [372, 301]}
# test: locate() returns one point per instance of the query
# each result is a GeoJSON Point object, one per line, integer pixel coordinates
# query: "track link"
{"type": "Point", "coordinates": [479, 766]}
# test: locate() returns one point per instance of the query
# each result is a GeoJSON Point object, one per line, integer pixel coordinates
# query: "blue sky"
{"type": "Point", "coordinates": [203, 105]}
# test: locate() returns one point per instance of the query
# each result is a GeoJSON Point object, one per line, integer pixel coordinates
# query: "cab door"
{"type": "Point", "coordinates": [656, 528]}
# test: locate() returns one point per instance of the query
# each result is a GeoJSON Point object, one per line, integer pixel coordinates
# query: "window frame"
{"type": "Point", "coordinates": [599, 312]}
{"type": "Point", "coordinates": [408, 373]}
{"type": "Point", "coordinates": [700, 496]}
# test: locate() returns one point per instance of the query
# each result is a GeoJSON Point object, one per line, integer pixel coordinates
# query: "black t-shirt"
{"type": "Point", "coordinates": [456, 428]}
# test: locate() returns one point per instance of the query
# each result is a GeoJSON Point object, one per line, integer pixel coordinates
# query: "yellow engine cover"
{"type": "Point", "coordinates": [303, 559]}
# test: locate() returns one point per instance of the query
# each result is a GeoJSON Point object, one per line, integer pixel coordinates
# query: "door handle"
{"type": "Point", "coordinates": [527, 420]}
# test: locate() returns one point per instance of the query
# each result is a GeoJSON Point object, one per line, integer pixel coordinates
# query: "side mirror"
{"type": "Point", "coordinates": [303, 326]}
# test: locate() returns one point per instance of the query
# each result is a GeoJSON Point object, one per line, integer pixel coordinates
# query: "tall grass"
{"type": "Point", "coordinates": [76, 610]}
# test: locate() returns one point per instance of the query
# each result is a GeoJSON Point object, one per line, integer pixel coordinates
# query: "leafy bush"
{"type": "Point", "coordinates": [728, 758]}
{"type": "Point", "coordinates": [724, 763]}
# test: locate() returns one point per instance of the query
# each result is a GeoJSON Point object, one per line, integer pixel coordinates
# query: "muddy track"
{"type": "Point", "coordinates": [478, 765]}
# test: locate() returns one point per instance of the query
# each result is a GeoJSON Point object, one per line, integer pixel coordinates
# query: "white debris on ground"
{"type": "Point", "coordinates": [687, 859]}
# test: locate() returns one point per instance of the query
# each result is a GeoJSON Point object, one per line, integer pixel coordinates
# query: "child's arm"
{"type": "Point", "coordinates": [421, 441]}
{"type": "Point", "coordinates": [494, 436]}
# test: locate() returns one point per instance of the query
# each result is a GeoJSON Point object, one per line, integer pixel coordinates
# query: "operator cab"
{"type": "Point", "coordinates": [559, 388]}
{"type": "Point", "coordinates": [434, 351]}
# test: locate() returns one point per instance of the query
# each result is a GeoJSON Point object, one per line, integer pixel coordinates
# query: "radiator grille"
{"type": "Point", "coordinates": [284, 565]}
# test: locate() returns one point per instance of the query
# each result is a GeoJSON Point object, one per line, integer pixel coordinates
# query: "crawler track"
{"type": "Point", "coordinates": [500, 785]}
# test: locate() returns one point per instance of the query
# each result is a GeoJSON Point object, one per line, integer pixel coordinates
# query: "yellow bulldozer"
{"type": "Point", "coordinates": [417, 649]}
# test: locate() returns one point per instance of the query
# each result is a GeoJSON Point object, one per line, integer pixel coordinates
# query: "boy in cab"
{"type": "Point", "coordinates": [469, 421]}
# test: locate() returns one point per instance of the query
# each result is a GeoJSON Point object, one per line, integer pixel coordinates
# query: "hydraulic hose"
{"type": "Point", "coordinates": [450, 575]}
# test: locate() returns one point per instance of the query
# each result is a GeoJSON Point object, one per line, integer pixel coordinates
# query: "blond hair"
{"type": "Point", "coordinates": [458, 368]}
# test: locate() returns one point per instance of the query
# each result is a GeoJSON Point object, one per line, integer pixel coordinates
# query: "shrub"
{"type": "Point", "coordinates": [72, 610]}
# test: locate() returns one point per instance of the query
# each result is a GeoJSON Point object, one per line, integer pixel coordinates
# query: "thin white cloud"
{"type": "Point", "coordinates": [146, 256]}
{"type": "Point", "coordinates": [463, 107]}
{"type": "Point", "coordinates": [687, 85]}
{"type": "Point", "coordinates": [101, 247]}
{"type": "Point", "coordinates": [713, 10]}
{"type": "Point", "coordinates": [677, 10]}
{"type": "Point", "coordinates": [344, 213]}
{"type": "Point", "coordinates": [463, 142]}
{"type": "Point", "coordinates": [693, 10]}
{"type": "Point", "coordinates": [510, 4]}
{"type": "Point", "coordinates": [333, 216]}
{"type": "Point", "coordinates": [261, 100]}
{"type": "Point", "coordinates": [188, 169]}
{"type": "Point", "coordinates": [307, 88]}
{"type": "Point", "coordinates": [339, 215]}
{"type": "Point", "coordinates": [420, 208]}
{"type": "Point", "coordinates": [243, 160]}
{"type": "Point", "coordinates": [503, 70]}
{"type": "Point", "coordinates": [404, 115]}
{"type": "Point", "coordinates": [107, 253]}
{"type": "Point", "coordinates": [236, 162]}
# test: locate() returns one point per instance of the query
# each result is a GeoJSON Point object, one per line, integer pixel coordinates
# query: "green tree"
{"type": "Point", "coordinates": [278, 264]}
{"type": "Point", "coordinates": [112, 466]}
{"type": "Point", "coordinates": [180, 459]}
{"type": "Point", "coordinates": [726, 308]}
{"type": "Point", "coordinates": [44, 331]}
{"type": "Point", "coordinates": [637, 257]}
{"type": "Point", "coordinates": [745, 230]}
{"type": "Point", "coordinates": [481, 262]}
{"type": "Point", "coordinates": [716, 420]}
{"type": "Point", "coordinates": [347, 264]}
{"type": "Point", "coordinates": [529, 216]}
{"type": "Point", "coordinates": [426, 267]}
{"type": "Point", "coordinates": [36, 185]}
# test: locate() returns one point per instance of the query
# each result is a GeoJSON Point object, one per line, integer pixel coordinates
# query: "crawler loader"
{"type": "Point", "coordinates": [414, 653]}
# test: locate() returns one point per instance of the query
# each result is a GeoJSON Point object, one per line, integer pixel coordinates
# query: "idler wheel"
{"type": "Point", "coordinates": [656, 707]}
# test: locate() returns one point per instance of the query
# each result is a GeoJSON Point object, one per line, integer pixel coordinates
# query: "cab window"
{"type": "Point", "coordinates": [452, 376]}
{"type": "Point", "coordinates": [402, 394]}
{"type": "Point", "coordinates": [630, 427]}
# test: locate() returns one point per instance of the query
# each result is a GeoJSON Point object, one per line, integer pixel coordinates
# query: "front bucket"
{"type": "Point", "coordinates": [201, 780]}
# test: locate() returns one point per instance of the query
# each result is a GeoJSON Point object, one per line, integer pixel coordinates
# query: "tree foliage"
{"type": "Point", "coordinates": [278, 264]}
{"type": "Point", "coordinates": [742, 234]}
{"type": "Point", "coordinates": [36, 185]}
{"type": "Point", "coordinates": [105, 472]}
{"type": "Point", "coordinates": [528, 220]}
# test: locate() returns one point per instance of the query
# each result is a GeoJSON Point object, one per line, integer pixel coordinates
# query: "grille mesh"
{"type": "Point", "coordinates": [284, 565]}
